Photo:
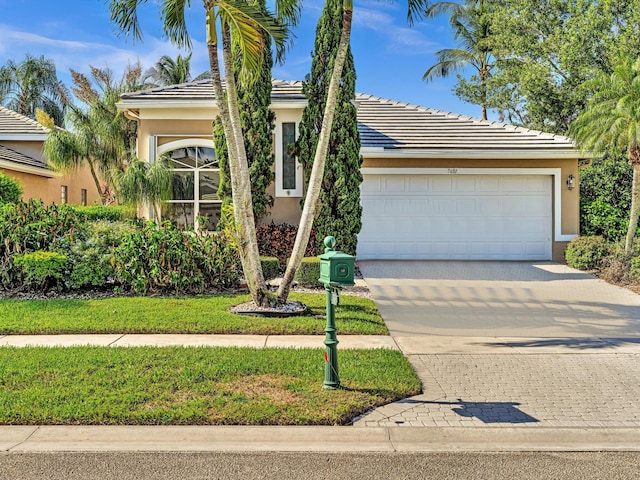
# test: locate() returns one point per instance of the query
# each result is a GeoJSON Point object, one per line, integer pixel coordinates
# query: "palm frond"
{"type": "Point", "coordinates": [124, 13]}
{"type": "Point", "coordinates": [174, 22]}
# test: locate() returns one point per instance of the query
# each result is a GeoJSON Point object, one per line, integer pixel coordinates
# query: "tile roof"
{"type": "Point", "coordinates": [203, 90]}
{"type": "Point", "coordinates": [388, 126]}
{"type": "Point", "coordinates": [13, 123]}
{"type": "Point", "coordinates": [10, 155]}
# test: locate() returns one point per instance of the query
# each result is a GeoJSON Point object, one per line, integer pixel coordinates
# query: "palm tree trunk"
{"type": "Point", "coordinates": [317, 171]}
{"type": "Point", "coordinates": [240, 186]}
{"type": "Point", "coordinates": [96, 180]}
{"type": "Point", "coordinates": [242, 200]}
{"type": "Point", "coordinates": [635, 203]}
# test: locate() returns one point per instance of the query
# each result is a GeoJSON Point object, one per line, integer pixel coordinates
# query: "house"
{"type": "Point", "coordinates": [436, 185]}
{"type": "Point", "coordinates": [21, 144]}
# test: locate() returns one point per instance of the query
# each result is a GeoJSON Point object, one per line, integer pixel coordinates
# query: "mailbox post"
{"type": "Point", "coordinates": [336, 271]}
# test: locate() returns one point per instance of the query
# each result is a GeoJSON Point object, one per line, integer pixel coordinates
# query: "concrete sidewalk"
{"type": "Point", "coordinates": [196, 340]}
{"type": "Point", "coordinates": [33, 439]}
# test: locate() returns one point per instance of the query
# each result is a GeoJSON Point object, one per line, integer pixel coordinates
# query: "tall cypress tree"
{"type": "Point", "coordinates": [258, 123]}
{"type": "Point", "coordinates": [340, 211]}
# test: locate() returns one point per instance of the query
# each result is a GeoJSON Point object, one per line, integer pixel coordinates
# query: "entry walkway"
{"type": "Point", "coordinates": [504, 344]}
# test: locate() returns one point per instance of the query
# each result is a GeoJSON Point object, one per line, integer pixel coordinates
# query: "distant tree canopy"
{"type": "Point", "coordinates": [33, 84]}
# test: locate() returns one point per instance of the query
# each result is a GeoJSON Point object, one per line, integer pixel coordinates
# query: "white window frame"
{"type": "Point", "coordinates": [282, 192]}
{"type": "Point", "coordinates": [187, 142]}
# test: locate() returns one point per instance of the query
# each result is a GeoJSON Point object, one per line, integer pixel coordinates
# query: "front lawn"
{"type": "Point", "coordinates": [194, 386]}
{"type": "Point", "coordinates": [355, 316]}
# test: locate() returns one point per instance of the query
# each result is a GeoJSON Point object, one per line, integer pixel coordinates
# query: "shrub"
{"type": "Point", "coordinates": [634, 269]}
{"type": "Point", "coordinates": [29, 227]}
{"type": "Point", "coordinates": [277, 239]}
{"type": "Point", "coordinates": [615, 269]}
{"type": "Point", "coordinates": [91, 254]}
{"type": "Point", "coordinates": [42, 270]}
{"type": "Point", "coordinates": [163, 258]}
{"type": "Point", "coordinates": [605, 197]}
{"type": "Point", "coordinates": [309, 273]}
{"type": "Point", "coordinates": [587, 253]}
{"type": "Point", "coordinates": [10, 189]}
{"type": "Point", "coordinates": [270, 267]}
{"type": "Point", "coordinates": [111, 213]}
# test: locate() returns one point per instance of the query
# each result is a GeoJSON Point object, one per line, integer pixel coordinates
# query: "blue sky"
{"type": "Point", "coordinates": [390, 56]}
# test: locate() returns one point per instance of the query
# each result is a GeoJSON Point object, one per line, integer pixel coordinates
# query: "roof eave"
{"type": "Point", "coordinates": [18, 167]}
{"type": "Point", "coordinates": [26, 137]}
{"type": "Point", "coordinates": [460, 154]}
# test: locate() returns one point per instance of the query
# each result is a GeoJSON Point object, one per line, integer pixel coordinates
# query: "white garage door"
{"type": "Point", "coordinates": [456, 217]}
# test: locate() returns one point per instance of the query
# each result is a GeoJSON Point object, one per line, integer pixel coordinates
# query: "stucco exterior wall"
{"type": "Point", "coordinates": [49, 189]}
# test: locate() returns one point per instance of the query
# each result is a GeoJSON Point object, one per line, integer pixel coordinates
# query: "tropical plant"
{"type": "Point", "coordinates": [605, 197]}
{"type": "Point", "coordinates": [99, 136]}
{"type": "Point", "coordinates": [471, 25]}
{"type": "Point", "coordinates": [145, 182]}
{"type": "Point", "coordinates": [238, 25]}
{"type": "Point", "coordinates": [32, 84]}
{"type": "Point", "coordinates": [168, 71]}
{"type": "Point", "coordinates": [611, 123]}
{"type": "Point", "coordinates": [10, 189]}
{"type": "Point", "coordinates": [415, 9]}
{"type": "Point", "coordinates": [339, 213]}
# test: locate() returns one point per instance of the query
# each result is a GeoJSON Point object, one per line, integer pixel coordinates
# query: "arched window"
{"type": "Point", "coordinates": [196, 176]}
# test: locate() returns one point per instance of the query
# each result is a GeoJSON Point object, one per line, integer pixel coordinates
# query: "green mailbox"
{"type": "Point", "coordinates": [336, 268]}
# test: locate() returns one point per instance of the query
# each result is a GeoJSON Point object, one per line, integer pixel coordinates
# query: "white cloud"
{"type": "Point", "coordinates": [77, 55]}
{"type": "Point", "coordinates": [389, 21]}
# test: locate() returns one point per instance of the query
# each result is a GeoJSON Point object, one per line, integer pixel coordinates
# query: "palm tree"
{"type": "Point", "coordinates": [33, 84]}
{"type": "Point", "coordinates": [243, 26]}
{"type": "Point", "coordinates": [472, 31]}
{"type": "Point", "coordinates": [611, 121]}
{"type": "Point", "coordinates": [99, 136]}
{"type": "Point", "coordinates": [144, 182]}
{"type": "Point", "coordinates": [168, 71]}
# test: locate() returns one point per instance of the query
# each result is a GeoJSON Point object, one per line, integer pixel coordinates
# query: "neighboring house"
{"type": "Point", "coordinates": [21, 144]}
{"type": "Point", "coordinates": [436, 185]}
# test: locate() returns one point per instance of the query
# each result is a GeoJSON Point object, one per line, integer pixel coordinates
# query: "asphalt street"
{"type": "Point", "coordinates": [311, 466]}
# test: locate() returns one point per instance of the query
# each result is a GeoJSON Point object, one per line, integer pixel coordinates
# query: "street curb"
{"type": "Point", "coordinates": [31, 439]}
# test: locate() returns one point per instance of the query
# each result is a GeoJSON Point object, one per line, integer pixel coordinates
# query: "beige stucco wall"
{"type": "Point", "coordinates": [48, 189]}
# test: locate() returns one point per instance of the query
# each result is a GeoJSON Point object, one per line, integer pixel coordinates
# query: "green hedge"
{"type": "Point", "coordinates": [309, 273]}
{"type": "Point", "coordinates": [42, 270]}
{"type": "Point", "coordinates": [110, 213]}
{"type": "Point", "coordinates": [270, 267]}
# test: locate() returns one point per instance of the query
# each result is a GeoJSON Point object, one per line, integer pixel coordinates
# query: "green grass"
{"type": "Point", "coordinates": [355, 315]}
{"type": "Point", "coordinates": [194, 386]}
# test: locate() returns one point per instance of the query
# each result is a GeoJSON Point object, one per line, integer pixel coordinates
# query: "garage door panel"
{"type": "Point", "coordinates": [456, 217]}
{"type": "Point", "coordinates": [441, 184]}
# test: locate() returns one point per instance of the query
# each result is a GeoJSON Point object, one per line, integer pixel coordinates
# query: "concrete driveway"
{"type": "Point", "coordinates": [499, 299]}
{"type": "Point", "coordinates": [504, 344]}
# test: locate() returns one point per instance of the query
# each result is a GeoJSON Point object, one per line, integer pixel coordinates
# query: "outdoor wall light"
{"type": "Point", "coordinates": [570, 182]}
